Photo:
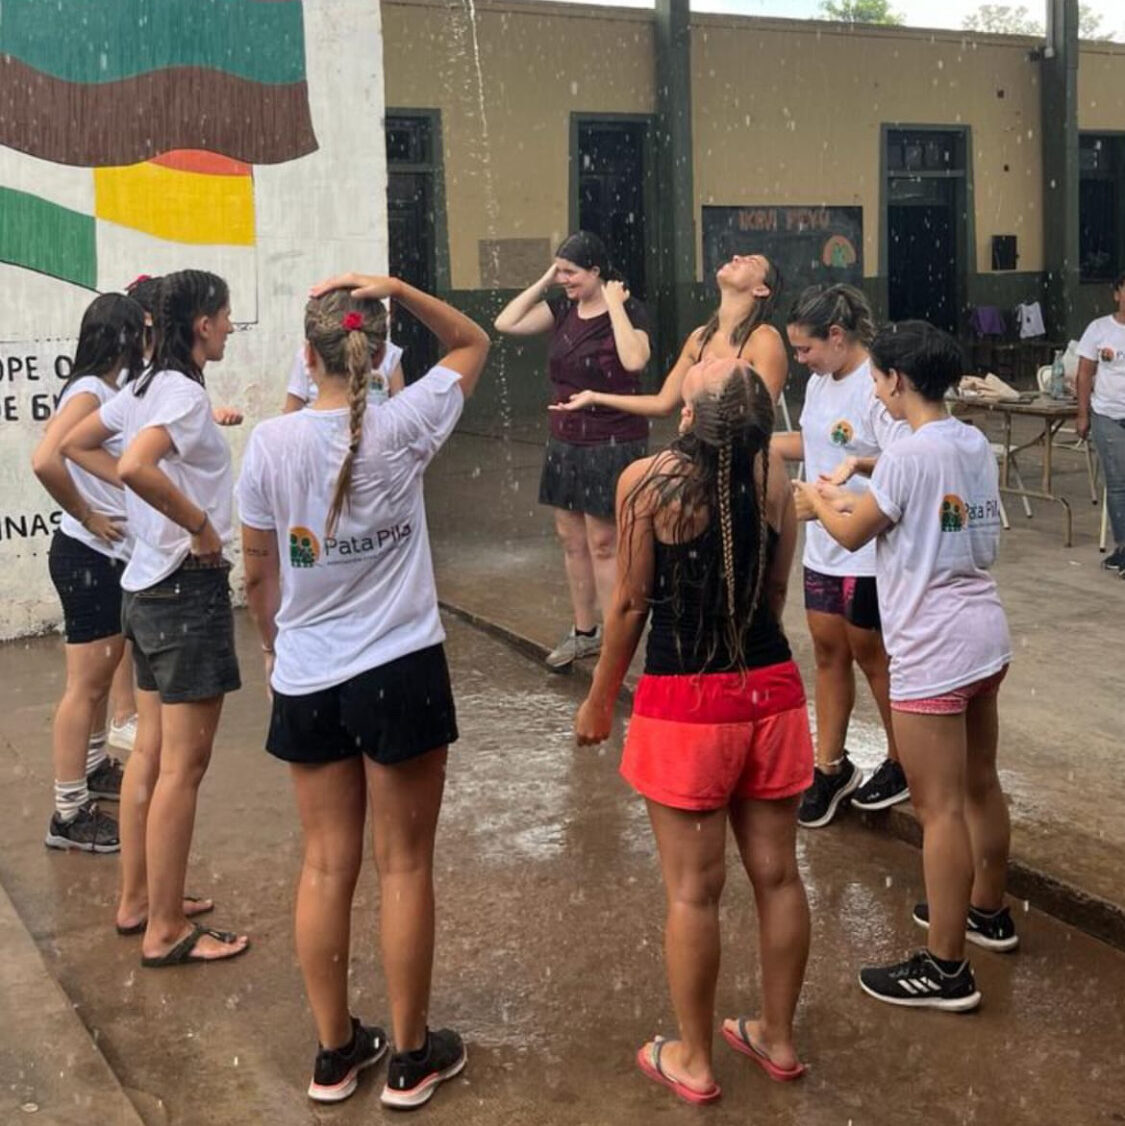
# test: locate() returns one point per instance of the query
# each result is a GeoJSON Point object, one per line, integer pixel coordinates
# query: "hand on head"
{"type": "Point", "coordinates": [615, 292]}
{"type": "Point", "coordinates": [363, 286]}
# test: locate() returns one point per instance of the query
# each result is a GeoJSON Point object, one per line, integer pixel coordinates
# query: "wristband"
{"type": "Point", "coordinates": [202, 525]}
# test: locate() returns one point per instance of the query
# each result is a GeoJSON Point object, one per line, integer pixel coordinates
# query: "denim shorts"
{"type": "Point", "coordinates": [182, 630]}
{"type": "Point", "coordinates": [89, 587]}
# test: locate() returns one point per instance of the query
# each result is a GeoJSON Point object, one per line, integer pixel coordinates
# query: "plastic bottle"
{"type": "Point", "coordinates": [1058, 377]}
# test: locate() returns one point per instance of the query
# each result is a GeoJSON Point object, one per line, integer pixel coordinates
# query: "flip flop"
{"type": "Point", "coordinates": [649, 1063]}
{"type": "Point", "coordinates": [181, 954]}
{"type": "Point", "coordinates": [139, 928]}
{"type": "Point", "coordinates": [742, 1043]}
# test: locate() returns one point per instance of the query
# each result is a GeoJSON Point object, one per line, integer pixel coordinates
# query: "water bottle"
{"type": "Point", "coordinates": [1058, 377]}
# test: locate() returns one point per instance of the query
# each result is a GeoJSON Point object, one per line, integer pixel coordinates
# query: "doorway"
{"type": "Point", "coordinates": [611, 188]}
{"type": "Point", "coordinates": [926, 239]}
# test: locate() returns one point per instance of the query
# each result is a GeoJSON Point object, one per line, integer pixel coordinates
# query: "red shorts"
{"type": "Point", "coordinates": [955, 702]}
{"type": "Point", "coordinates": [695, 742]}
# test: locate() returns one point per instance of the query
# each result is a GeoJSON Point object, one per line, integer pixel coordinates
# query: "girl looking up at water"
{"type": "Point", "coordinates": [933, 511]}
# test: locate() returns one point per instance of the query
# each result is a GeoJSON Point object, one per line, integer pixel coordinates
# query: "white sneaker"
{"type": "Point", "coordinates": [123, 735]}
{"type": "Point", "coordinates": [573, 647]}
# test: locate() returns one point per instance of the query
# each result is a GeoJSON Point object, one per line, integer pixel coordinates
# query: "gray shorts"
{"type": "Point", "coordinates": [182, 630]}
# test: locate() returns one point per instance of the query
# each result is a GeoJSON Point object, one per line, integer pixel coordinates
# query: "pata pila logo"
{"type": "Point", "coordinates": [304, 548]}
{"type": "Point", "coordinates": [953, 513]}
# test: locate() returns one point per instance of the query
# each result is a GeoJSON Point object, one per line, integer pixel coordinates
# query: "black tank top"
{"type": "Point", "coordinates": [685, 620]}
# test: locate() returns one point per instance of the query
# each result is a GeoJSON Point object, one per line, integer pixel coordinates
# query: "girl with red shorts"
{"type": "Point", "coordinates": [719, 730]}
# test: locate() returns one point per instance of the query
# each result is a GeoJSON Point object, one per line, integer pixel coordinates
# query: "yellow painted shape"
{"type": "Point", "coordinates": [177, 206]}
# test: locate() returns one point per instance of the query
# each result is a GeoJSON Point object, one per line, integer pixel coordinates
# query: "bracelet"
{"type": "Point", "coordinates": [202, 525]}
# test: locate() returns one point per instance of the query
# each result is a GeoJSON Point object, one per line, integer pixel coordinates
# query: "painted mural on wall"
{"type": "Point", "coordinates": [145, 136]}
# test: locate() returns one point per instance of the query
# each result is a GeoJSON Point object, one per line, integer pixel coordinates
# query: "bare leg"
{"type": "Point", "coordinates": [332, 802]}
{"type": "Point", "coordinates": [405, 802]}
{"type": "Point", "coordinates": [835, 686]}
{"type": "Point", "coordinates": [766, 832]}
{"type": "Point", "coordinates": [601, 541]}
{"type": "Point", "coordinates": [986, 811]}
{"type": "Point", "coordinates": [571, 528]}
{"type": "Point", "coordinates": [933, 756]}
{"type": "Point", "coordinates": [121, 694]}
{"type": "Point", "coordinates": [692, 860]}
{"type": "Point", "coordinates": [867, 649]}
{"type": "Point", "coordinates": [89, 670]}
{"type": "Point", "coordinates": [188, 734]}
{"type": "Point", "coordinates": [141, 771]}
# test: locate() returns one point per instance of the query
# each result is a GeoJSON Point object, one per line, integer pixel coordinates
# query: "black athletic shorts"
{"type": "Point", "coordinates": [584, 478]}
{"type": "Point", "coordinates": [854, 598]}
{"type": "Point", "coordinates": [392, 713]}
{"type": "Point", "coordinates": [89, 586]}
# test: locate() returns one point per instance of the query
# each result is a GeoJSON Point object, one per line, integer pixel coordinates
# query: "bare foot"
{"type": "Point", "coordinates": [779, 1051]}
{"type": "Point", "coordinates": [127, 920]}
{"type": "Point", "coordinates": [696, 1075]}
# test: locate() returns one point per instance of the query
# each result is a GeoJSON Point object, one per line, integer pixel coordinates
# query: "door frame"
{"type": "Point", "coordinates": [964, 210]}
{"type": "Point", "coordinates": [648, 175]}
{"type": "Point", "coordinates": [435, 167]}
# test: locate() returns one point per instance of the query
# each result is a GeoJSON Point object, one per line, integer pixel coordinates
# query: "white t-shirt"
{"type": "Point", "coordinates": [301, 381]}
{"type": "Point", "coordinates": [199, 466]}
{"type": "Point", "coordinates": [842, 418]}
{"type": "Point", "coordinates": [1103, 342]}
{"type": "Point", "coordinates": [366, 596]}
{"type": "Point", "coordinates": [100, 496]}
{"type": "Point", "coordinates": [943, 622]}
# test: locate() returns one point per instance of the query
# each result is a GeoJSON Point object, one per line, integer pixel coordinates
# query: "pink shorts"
{"type": "Point", "coordinates": [695, 742]}
{"type": "Point", "coordinates": [955, 702]}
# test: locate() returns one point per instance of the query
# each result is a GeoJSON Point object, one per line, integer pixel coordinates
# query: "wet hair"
{"type": "Point", "coordinates": [929, 358]}
{"type": "Point", "coordinates": [1119, 281]}
{"type": "Point", "coordinates": [145, 290]}
{"type": "Point", "coordinates": [183, 298]}
{"type": "Point", "coordinates": [348, 352]}
{"type": "Point", "coordinates": [760, 312]}
{"type": "Point", "coordinates": [714, 466]}
{"type": "Point", "coordinates": [819, 307]}
{"type": "Point", "coordinates": [112, 334]}
{"type": "Point", "coordinates": [588, 252]}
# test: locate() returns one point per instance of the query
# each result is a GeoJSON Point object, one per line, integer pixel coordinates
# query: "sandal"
{"type": "Point", "coordinates": [182, 953]}
{"type": "Point", "coordinates": [139, 928]}
{"type": "Point", "coordinates": [649, 1062]}
{"type": "Point", "coordinates": [742, 1043]}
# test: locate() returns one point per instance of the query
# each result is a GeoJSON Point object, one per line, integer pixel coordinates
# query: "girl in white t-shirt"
{"type": "Point", "coordinates": [387, 379]}
{"type": "Point", "coordinates": [844, 428]}
{"type": "Point", "coordinates": [176, 609]}
{"type": "Point", "coordinates": [87, 556]}
{"type": "Point", "coordinates": [340, 583]}
{"type": "Point", "coordinates": [933, 510]}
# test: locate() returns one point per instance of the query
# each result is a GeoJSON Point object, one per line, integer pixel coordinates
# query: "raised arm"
{"type": "Point", "coordinates": [631, 343]}
{"type": "Point", "coordinates": [49, 465]}
{"type": "Point", "coordinates": [527, 314]}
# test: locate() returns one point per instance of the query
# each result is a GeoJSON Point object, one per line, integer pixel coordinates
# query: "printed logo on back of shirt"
{"type": "Point", "coordinates": [841, 433]}
{"type": "Point", "coordinates": [954, 515]}
{"type": "Point", "coordinates": [304, 547]}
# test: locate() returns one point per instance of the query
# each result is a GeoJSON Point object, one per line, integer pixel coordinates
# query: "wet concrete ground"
{"type": "Point", "coordinates": [549, 947]}
{"type": "Point", "coordinates": [1060, 710]}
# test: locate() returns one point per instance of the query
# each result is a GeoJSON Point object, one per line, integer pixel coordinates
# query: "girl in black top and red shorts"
{"type": "Point", "coordinates": [599, 341]}
{"type": "Point", "coordinates": [719, 729]}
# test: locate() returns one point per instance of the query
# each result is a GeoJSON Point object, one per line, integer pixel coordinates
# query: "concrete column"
{"type": "Point", "coordinates": [675, 183]}
{"type": "Point", "coordinates": [1059, 126]}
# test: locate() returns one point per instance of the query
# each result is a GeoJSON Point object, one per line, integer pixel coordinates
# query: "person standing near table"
{"type": "Point", "coordinates": [1101, 410]}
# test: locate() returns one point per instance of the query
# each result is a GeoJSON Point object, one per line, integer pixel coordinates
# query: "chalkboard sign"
{"type": "Point", "coordinates": [809, 244]}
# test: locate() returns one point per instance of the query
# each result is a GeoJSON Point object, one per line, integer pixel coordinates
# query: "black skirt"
{"type": "Point", "coordinates": [584, 478]}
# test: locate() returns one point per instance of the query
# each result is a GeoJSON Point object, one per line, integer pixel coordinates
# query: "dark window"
{"type": "Point", "coordinates": [1101, 164]}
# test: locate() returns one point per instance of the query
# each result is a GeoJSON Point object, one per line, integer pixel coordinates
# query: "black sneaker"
{"type": "Point", "coordinates": [90, 831]}
{"type": "Point", "coordinates": [886, 787]}
{"type": "Point", "coordinates": [336, 1069]}
{"type": "Point", "coordinates": [823, 797]}
{"type": "Point", "coordinates": [1115, 561]}
{"type": "Point", "coordinates": [921, 983]}
{"type": "Point", "coordinates": [411, 1082]}
{"type": "Point", "coordinates": [993, 930]}
{"type": "Point", "coordinates": [105, 781]}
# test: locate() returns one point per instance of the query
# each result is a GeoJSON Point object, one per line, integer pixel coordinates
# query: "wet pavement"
{"type": "Point", "coordinates": [549, 948]}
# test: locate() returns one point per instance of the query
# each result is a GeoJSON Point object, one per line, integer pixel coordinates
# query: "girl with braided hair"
{"type": "Point", "coordinates": [719, 730]}
{"type": "Point", "coordinates": [176, 609]}
{"type": "Point", "coordinates": [340, 583]}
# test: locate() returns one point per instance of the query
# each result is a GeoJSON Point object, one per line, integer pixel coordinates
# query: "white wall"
{"type": "Point", "coordinates": [315, 216]}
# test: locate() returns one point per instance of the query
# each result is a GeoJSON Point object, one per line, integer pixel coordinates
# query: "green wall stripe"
{"type": "Point", "coordinates": [92, 41]}
{"type": "Point", "coordinates": [50, 239]}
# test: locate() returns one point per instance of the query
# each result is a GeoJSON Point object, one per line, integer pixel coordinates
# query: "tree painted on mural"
{"type": "Point", "coordinates": [153, 114]}
{"type": "Point", "coordinates": [859, 11]}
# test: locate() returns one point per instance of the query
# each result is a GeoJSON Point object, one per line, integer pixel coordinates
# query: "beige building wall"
{"type": "Point", "coordinates": [789, 112]}
{"type": "Point", "coordinates": [538, 64]}
{"type": "Point", "coordinates": [1101, 87]}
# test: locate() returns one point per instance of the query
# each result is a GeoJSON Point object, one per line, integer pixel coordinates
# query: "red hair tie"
{"type": "Point", "coordinates": [353, 322]}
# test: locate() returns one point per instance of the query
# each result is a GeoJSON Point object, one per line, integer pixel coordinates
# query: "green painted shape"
{"type": "Point", "coordinates": [47, 238]}
{"type": "Point", "coordinates": [96, 41]}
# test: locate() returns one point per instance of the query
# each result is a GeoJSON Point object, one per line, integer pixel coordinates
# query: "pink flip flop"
{"type": "Point", "coordinates": [649, 1063]}
{"type": "Point", "coordinates": [742, 1043]}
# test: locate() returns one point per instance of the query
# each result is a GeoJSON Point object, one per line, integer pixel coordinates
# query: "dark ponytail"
{"type": "Point", "coordinates": [821, 306]}
{"type": "Point", "coordinates": [112, 334]}
{"type": "Point", "coordinates": [588, 252]}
